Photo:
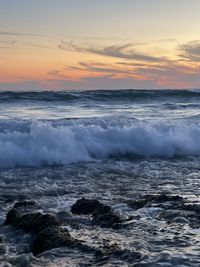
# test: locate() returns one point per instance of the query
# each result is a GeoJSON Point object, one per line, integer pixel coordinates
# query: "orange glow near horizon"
{"type": "Point", "coordinates": [49, 65]}
{"type": "Point", "coordinates": [140, 45]}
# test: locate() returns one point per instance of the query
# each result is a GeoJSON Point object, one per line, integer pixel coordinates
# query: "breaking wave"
{"type": "Point", "coordinates": [46, 144]}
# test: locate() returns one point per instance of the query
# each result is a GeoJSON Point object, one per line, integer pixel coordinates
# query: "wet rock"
{"type": "Point", "coordinates": [26, 205]}
{"type": "Point", "coordinates": [37, 221]}
{"type": "Point", "coordinates": [25, 215]}
{"type": "Point", "coordinates": [181, 220]}
{"type": "Point", "coordinates": [106, 217]}
{"type": "Point", "coordinates": [22, 261]}
{"type": "Point", "coordinates": [114, 251]}
{"type": "Point", "coordinates": [1, 239]}
{"type": "Point", "coordinates": [20, 209]}
{"type": "Point", "coordinates": [85, 206]}
{"type": "Point", "coordinates": [102, 214]}
{"type": "Point", "coordinates": [164, 256]}
{"type": "Point", "coordinates": [52, 237]}
{"type": "Point", "coordinates": [137, 204]}
{"type": "Point", "coordinates": [149, 200]}
{"type": "Point", "coordinates": [47, 230]}
{"type": "Point", "coordinates": [170, 215]}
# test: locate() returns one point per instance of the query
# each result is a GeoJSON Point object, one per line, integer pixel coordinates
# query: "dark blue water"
{"type": "Point", "coordinates": [56, 147]}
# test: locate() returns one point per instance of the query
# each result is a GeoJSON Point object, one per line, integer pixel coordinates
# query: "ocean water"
{"type": "Point", "coordinates": [115, 146]}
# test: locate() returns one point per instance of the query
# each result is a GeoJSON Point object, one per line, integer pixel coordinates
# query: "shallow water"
{"type": "Point", "coordinates": [113, 146]}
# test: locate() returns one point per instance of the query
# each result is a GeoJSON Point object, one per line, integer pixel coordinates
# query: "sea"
{"type": "Point", "coordinates": [111, 145]}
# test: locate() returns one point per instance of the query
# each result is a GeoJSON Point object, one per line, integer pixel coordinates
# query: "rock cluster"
{"type": "Point", "coordinates": [46, 228]}
{"type": "Point", "coordinates": [102, 214]}
{"type": "Point", "coordinates": [49, 230]}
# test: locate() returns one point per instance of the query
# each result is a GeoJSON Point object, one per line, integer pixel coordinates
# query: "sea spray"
{"type": "Point", "coordinates": [47, 144]}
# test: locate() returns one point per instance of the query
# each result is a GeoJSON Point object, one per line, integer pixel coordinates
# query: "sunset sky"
{"type": "Point", "coordinates": [99, 44]}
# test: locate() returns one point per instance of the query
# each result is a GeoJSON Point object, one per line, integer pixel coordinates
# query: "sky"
{"type": "Point", "coordinates": [99, 44]}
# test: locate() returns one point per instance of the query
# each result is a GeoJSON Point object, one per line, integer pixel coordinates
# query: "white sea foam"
{"type": "Point", "coordinates": [45, 144]}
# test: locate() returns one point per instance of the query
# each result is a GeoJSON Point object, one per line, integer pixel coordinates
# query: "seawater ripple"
{"type": "Point", "coordinates": [99, 95]}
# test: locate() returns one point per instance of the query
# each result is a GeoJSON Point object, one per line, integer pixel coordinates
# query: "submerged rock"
{"type": "Point", "coordinates": [181, 220]}
{"type": "Point", "coordinates": [114, 251]}
{"type": "Point", "coordinates": [178, 216]}
{"type": "Point", "coordinates": [22, 260]}
{"type": "Point", "coordinates": [165, 198]}
{"type": "Point", "coordinates": [102, 214]}
{"type": "Point", "coordinates": [149, 200]}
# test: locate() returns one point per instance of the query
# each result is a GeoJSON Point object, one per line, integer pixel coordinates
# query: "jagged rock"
{"type": "Point", "coordinates": [85, 206]}
{"type": "Point", "coordinates": [47, 230]}
{"type": "Point", "coordinates": [106, 217]}
{"type": "Point", "coordinates": [26, 206]}
{"type": "Point", "coordinates": [20, 209]}
{"type": "Point", "coordinates": [25, 215]}
{"type": "Point", "coordinates": [102, 214]}
{"type": "Point", "coordinates": [52, 237]}
{"type": "Point", "coordinates": [37, 221]}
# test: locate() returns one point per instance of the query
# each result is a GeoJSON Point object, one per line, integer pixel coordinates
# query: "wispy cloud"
{"type": "Point", "coordinates": [124, 51]}
{"type": "Point", "coordinates": [7, 42]}
{"type": "Point", "coordinates": [180, 68]}
{"type": "Point", "coordinates": [142, 66]}
{"type": "Point", "coordinates": [97, 68]}
{"type": "Point", "coordinates": [8, 33]}
{"type": "Point", "coordinates": [190, 50]}
{"type": "Point", "coordinates": [39, 45]}
{"type": "Point", "coordinates": [19, 40]}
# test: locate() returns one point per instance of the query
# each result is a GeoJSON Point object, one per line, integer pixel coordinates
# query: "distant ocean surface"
{"type": "Point", "coordinates": [113, 145]}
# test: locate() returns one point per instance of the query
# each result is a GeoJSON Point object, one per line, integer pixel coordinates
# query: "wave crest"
{"type": "Point", "coordinates": [47, 144]}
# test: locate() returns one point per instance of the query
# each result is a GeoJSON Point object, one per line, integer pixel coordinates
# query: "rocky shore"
{"type": "Point", "coordinates": [51, 230]}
